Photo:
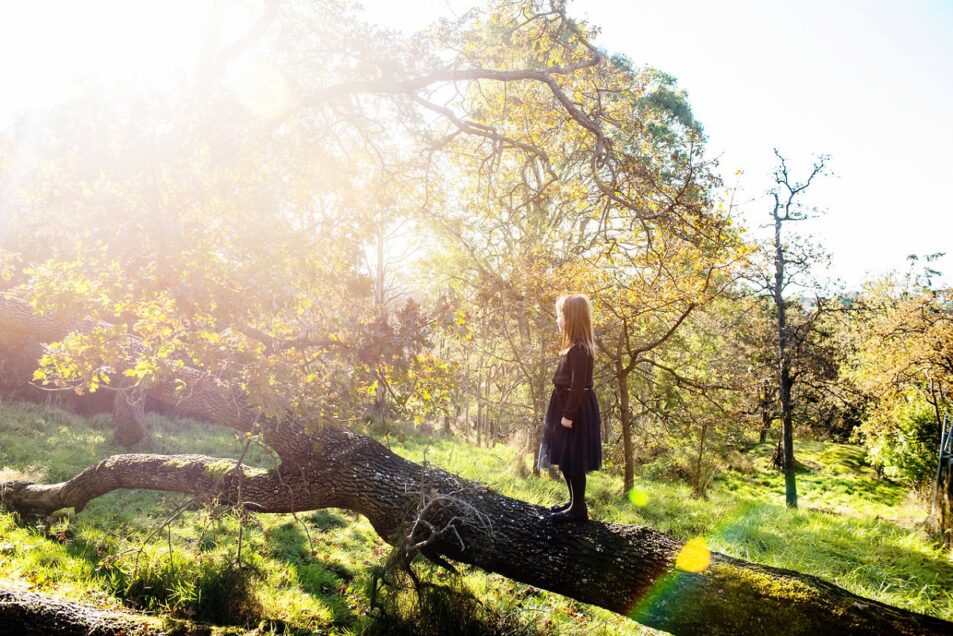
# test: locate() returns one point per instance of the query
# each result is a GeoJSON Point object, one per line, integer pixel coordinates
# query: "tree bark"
{"type": "Point", "coordinates": [699, 477]}
{"type": "Point", "coordinates": [945, 505]}
{"type": "Point", "coordinates": [784, 370]}
{"type": "Point", "coordinates": [633, 570]}
{"type": "Point", "coordinates": [539, 419]}
{"type": "Point", "coordinates": [32, 614]}
{"type": "Point", "coordinates": [625, 419]}
{"type": "Point", "coordinates": [764, 403]}
{"type": "Point", "coordinates": [129, 417]}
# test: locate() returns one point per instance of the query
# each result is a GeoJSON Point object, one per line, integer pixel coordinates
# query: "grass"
{"type": "Point", "coordinates": [851, 528]}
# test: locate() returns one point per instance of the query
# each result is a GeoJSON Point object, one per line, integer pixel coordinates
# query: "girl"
{"type": "Point", "coordinates": [572, 434]}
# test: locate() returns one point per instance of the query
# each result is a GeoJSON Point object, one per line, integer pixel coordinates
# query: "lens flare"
{"type": "Point", "coordinates": [639, 496]}
{"type": "Point", "coordinates": [694, 556]}
{"type": "Point", "coordinates": [262, 89]}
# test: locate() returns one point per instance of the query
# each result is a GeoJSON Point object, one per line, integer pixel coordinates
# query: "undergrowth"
{"type": "Point", "coordinates": [321, 572]}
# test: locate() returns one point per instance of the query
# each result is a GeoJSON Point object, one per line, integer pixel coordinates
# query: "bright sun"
{"type": "Point", "coordinates": [46, 47]}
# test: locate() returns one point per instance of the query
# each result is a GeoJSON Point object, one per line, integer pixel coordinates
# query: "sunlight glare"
{"type": "Point", "coordinates": [639, 496]}
{"type": "Point", "coordinates": [694, 555]}
{"type": "Point", "coordinates": [47, 48]}
{"type": "Point", "coordinates": [260, 88]}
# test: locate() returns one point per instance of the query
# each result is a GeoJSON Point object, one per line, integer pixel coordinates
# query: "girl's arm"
{"type": "Point", "coordinates": [576, 360]}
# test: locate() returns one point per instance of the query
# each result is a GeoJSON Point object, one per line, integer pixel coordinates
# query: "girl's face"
{"type": "Point", "coordinates": [559, 321]}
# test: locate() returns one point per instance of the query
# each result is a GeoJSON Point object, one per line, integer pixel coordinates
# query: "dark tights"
{"type": "Point", "coordinates": [577, 488]}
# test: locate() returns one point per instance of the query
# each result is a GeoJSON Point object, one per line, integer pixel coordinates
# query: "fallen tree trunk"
{"type": "Point", "coordinates": [33, 614]}
{"type": "Point", "coordinates": [628, 569]}
{"type": "Point", "coordinates": [29, 613]}
{"type": "Point", "coordinates": [632, 570]}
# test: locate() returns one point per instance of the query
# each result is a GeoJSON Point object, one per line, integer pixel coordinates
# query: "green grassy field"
{"type": "Point", "coordinates": [313, 572]}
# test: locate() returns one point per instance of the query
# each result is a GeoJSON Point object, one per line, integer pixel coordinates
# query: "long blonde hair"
{"type": "Point", "coordinates": [576, 311]}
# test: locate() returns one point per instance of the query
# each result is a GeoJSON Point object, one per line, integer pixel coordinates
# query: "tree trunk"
{"type": "Point", "coordinates": [32, 614]}
{"type": "Point", "coordinates": [636, 571]}
{"type": "Point", "coordinates": [945, 504]}
{"type": "Point", "coordinates": [539, 419]}
{"type": "Point", "coordinates": [479, 418]}
{"type": "Point", "coordinates": [625, 419]}
{"type": "Point", "coordinates": [699, 489]}
{"type": "Point", "coordinates": [784, 372]}
{"type": "Point", "coordinates": [765, 408]}
{"type": "Point", "coordinates": [129, 416]}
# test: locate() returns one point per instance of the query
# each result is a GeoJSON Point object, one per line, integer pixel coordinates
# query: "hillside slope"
{"type": "Point", "coordinates": [313, 572]}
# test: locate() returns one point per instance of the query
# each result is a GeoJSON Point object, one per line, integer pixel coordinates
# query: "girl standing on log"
{"type": "Point", "coordinates": [572, 434]}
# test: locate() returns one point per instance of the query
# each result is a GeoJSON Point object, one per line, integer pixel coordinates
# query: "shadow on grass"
{"type": "Point", "coordinates": [320, 578]}
{"type": "Point", "coordinates": [444, 609]}
{"type": "Point", "coordinates": [448, 608]}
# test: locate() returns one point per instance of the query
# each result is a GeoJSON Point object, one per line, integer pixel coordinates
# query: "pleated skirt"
{"type": "Point", "coordinates": [577, 449]}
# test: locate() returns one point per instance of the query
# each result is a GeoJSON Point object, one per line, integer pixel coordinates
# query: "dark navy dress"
{"type": "Point", "coordinates": [578, 449]}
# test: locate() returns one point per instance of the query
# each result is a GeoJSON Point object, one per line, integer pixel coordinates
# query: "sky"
{"type": "Point", "coordinates": [869, 82]}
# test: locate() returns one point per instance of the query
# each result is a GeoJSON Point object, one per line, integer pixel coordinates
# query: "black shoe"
{"type": "Point", "coordinates": [581, 513]}
{"type": "Point", "coordinates": [560, 507]}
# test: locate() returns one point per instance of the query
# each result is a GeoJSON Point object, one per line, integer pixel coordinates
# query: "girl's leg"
{"type": "Point", "coordinates": [579, 489]}
{"type": "Point", "coordinates": [572, 492]}
{"type": "Point", "coordinates": [568, 504]}
{"type": "Point", "coordinates": [577, 510]}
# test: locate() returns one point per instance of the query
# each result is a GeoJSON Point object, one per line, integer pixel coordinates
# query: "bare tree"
{"type": "Point", "coordinates": [791, 261]}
